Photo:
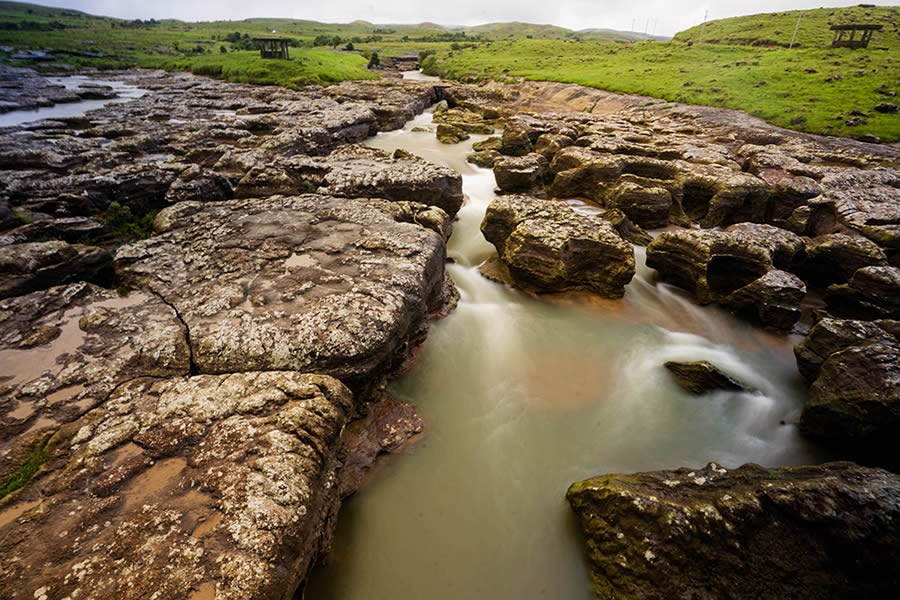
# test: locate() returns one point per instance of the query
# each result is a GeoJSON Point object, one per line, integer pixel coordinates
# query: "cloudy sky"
{"type": "Point", "coordinates": [662, 17]}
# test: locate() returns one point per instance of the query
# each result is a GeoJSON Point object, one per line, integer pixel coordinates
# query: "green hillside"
{"type": "Point", "coordinates": [742, 63]}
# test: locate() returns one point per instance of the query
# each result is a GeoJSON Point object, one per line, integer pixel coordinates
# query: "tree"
{"type": "Point", "coordinates": [349, 47]}
{"type": "Point", "coordinates": [374, 61]}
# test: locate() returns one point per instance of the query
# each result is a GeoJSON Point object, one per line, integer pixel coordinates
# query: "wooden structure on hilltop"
{"type": "Point", "coordinates": [273, 47]}
{"type": "Point", "coordinates": [852, 42]}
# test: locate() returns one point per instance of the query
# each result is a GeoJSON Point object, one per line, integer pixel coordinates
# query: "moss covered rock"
{"type": "Point", "coordinates": [829, 531]}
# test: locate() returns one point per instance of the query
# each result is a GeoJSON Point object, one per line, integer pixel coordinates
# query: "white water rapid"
{"type": "Point", "coordinates": [524, 397]}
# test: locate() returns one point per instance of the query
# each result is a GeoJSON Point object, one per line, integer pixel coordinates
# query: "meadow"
{"type": "Point", "coordinates": [746, 63]}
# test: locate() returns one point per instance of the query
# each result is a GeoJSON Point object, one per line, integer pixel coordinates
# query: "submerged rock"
{"type": "Point", "coordinates": [700, 377]}
{"type": "Point", "coordinates": [545, 246]}
{"type": "Point", "coordinates": [830, 531]}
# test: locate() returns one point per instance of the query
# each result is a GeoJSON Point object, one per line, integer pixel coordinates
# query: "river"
{"type": "Point", "coordinates": [523, 397]}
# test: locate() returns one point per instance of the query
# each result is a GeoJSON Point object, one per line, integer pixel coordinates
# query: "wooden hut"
{"type": "Point", "coordinates": [273, 47]}
{"type": "Point", "coordinates": [853, 42]}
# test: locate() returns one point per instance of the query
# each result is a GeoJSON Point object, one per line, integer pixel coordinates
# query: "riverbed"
{"type": "Point", "coordinates": [524, 396]}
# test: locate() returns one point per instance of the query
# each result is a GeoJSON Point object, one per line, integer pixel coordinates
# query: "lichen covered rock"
{"type": "Point", "coordinates": [831, 531]}
{"type": "Point", "coordinates": [545, 246]}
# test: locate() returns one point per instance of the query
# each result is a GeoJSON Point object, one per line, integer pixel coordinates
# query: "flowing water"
{"type": "Point", "coordinates": [524, 397]}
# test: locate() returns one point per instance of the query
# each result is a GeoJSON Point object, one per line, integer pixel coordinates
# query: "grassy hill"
{"type": "Point", "coordinates": [743, 63]}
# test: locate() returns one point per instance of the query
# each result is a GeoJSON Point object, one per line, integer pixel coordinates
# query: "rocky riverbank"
{"type": "Point", "coordinates": [189, 427]}
{"type": "Point", "coordinates": [199, 426]}
{"type": "Point", "coordinates": [793, 232]}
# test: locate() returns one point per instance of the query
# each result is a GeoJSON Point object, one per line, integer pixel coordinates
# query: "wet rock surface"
{"type": "Point", "coordinates": [217, 485]}
{"type": "Point", "coordinates": [305, 283]}
{"type": "Point", "coordinates": [741, 267]}
{"type": "Point", "coordinates": [182, 436]}
{"type": "Point", "coordinates": [702, 376]}
{"type": "Point", "coordinates": [545, 246]}
{"type": "Point", "coordinates": [802, 532]}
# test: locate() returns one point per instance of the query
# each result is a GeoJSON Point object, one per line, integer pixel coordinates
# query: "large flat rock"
{"type": "Point", "coordinates": [192, 487]}
{"type": "Point", "coordinates": [305, 283]}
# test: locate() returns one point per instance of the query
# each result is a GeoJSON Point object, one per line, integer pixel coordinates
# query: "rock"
{"type": "Point", "coordinates": [492, 143]}
{"type": "Point", "coordinates": [198, 184]}
{"type": "Point", "coordinates": [545, 246]}
{"type": "Point", "coordinates": [830, 336]}
{"type": "Point", "coordinates": [772, 300]}
{"type": "Point", "coordinates": [358, 171]}
{"type": "Point", "coordinates": [516, 140]}
{"type": "Point", "coordinates": [484, 159]}
{"type": "Point", "coordinates": [854, 403]}
{"type": "Point", "coordinates": [69, 229]}
{"type": "Point", "coordinates": [742, 267]}
{"type": "Point", "coordinates": [548, 144]}
{"type": "Point", "coordinates": [583, 173]}
{"type": "Point", "coordinates": [450, 134]}
{"type": "Point", "coordinates": [628, 230]}
{"type": "Point", "coordinates": [307, 283]}
{"type": "Point", "coordinates": [886, 107]}
{"type": "Point", "coordinates": [871, 293]}
{"type": "Point", "coordinates": [521, 174]}
{"type": "Point", "coordinates": [464, 120]}
{"type": "Point", "coordinates": [833, 258]}
{"type": "Point", "coordinates": [646, 206]}
{"type": "Point", "coordinates": [393, 101]}
{"type": "Point", "coordinates": [39, 265]}
{"type": "Point", "coordinates": [702, 376]}
{"type": "Point", "coordinates": [224, 485]}
{"type": "Point", "coordinates": [747, 533]}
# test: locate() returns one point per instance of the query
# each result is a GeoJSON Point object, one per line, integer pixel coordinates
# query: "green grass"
{"type": "Point", "coordinates": [36, 458]}
{"type": "Point", "coordinates": [743, 63]}
{"type": "Point", "coordinates": [773, 83]}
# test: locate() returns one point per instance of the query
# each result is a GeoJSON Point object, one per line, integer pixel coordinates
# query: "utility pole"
{"type": "Point", "coordinates": [795, 32]}
{"type": "Point", "coordinates": [702, 27]}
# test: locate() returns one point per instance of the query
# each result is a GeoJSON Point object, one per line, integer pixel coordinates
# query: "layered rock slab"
{"type": "Point", "coordinates": [304, 283]}
{"type": "Point", "coordinates": [206, 486]}
{"type": "Point", "coordinates": [545, 246]}
{"type": "Point", "coordinates": [805, 532]}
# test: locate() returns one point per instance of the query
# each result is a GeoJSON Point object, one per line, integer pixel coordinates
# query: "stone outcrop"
{"type": "Point", "coordinates": [33, 266]}
{"type": "Point", "coordinates": [210, 485]}
{"type": "Point", "coordinates": [742, 267]}
{"type": "Point", "coordinates": [871, 293]}
{"type": "Point", "coordinates": [521, 174]}
{"type": "Point", "coordinates": [835, 257]}
{"type": "Point", "coordinates": [853, 404]}
{"type": "Point", "coordinates": [803, 532]}
{"type": "Point", "coordinates": [305, 283]}
{"type": "Point", "coordinates": [700, 377]}
{"type": "Point", "coordinates": [545, 246]}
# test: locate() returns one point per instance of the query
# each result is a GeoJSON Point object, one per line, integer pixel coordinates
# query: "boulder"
{"type": "Point", "coordinates": [628, 230]}
{"type": "Point", "coordinates": [545, 246]}
{"type": "Point", "coordinates": [548, 144]}
{"type": "Point", "coordinates": [646, 206]}
{"type": "Point", "coordinates": [306, 283]}
{"type": "Point", "coordinates": [829, 531]}
{"type": "Point", "coordinates": [772, 300]}
{"type": "Point", "coordinates": [835, 257]}
{"type": "Point", "coordinates": [196, 183]}
{"type": "Point", "coordinates": [521, 174]}
{"type": "Point", "coordinates": [516, 139]}
{"type": "Point", "coordinates": [484, 159]}
{"type": "Point", "coordinates": [829, 336]}
{"type": "Point", "coordinates": [213, 485]}
{"type": "Point", "coordinates": [357, 171]}
{"type": "Point", "coordinates": [854, 404]}
{"type": "Point", "coordinates": [40, 265]}
{"type": "Point", "coordinates": [871, 293]}
{"type": "Point", "coordinates": [700, 377]}
{"type": "Point", "coordinates": [450, 134]}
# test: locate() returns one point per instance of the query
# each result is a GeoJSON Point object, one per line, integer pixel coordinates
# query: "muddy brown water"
{"type": "Point", "coordinates": [523, 397]}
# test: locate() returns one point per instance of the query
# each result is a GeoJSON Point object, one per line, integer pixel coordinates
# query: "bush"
{"type": "Point", "coordinates": [374, 61]}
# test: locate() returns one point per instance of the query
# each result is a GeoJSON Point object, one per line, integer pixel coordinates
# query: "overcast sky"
{"type": "Point", "coordinates": [653, 16]}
